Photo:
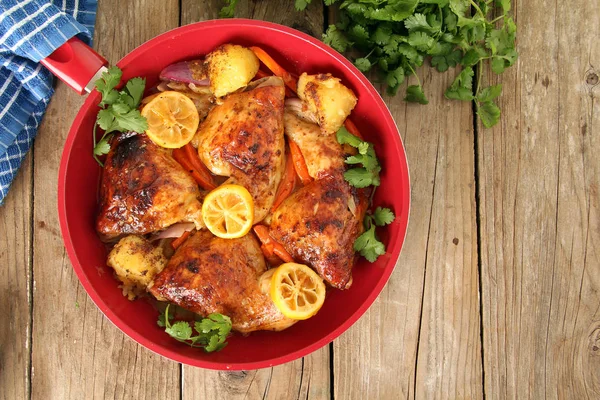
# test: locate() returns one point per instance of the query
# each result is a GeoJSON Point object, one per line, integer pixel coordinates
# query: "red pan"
{"type": "Point", "coordinates": [79, 174]}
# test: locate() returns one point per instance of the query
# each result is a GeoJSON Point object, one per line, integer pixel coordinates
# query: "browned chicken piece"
{"type": "Point", "coordinates": [322, 153]}
{"type": "Point", "coordinates": [318, 224]}
{"type": "Point", "coordinates": [208, 274]}
{"type": "Point", "coordinates": [144, 189]}
{"type": "Point", "coordinates": [243, 138]}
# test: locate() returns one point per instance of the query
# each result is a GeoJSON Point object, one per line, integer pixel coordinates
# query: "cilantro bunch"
{"type": "Point", "coordinates": [211, 331]}
{"type": "Point", "coordinates": [119, 108]}
{"type": "Point", "coordinates": [397, 36]}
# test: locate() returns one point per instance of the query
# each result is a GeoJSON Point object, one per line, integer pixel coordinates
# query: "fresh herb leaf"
{"type": "Point", "coordinates": [180, 330]}
{"type": "Point", "coordinates": [415, 94]}
{"type": "Point", "coordinates": [489, 93]}
{"type": "Point", "coordinates": [462, 87]}
{"type": "Point", "coordinates": [336, 39]}
{"type": "Point", "coordinates": [362, 178]}
{"type": "Point", "coordinates": [363, 64]}
{"type": "Point", "coordinates": [212, 331]}
{"type": "Point", "coordinates": [367, 244]}
{"type": "Point", "coordinates": [106, 84]}
{"type": "Point", "coordinates": [383, 216]}
{"type": "Point", "coordinates": [228, 10]}
{"type": "Point", "coordinates": [345, 137]}
{"type": "Point", "coordinates": [119, 108]}
{"type": "Point", "coordinates": [489, 113]}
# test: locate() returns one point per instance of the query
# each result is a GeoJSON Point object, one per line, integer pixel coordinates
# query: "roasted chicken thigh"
{"type": "Point", "coordinates": [242, 138]}
{"type": "Point", "coordinates": [144, 189]}
{"type": "Point", "coordinates": [208, 274]}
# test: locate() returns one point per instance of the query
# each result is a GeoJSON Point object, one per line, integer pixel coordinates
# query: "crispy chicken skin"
{"type": "Point", "coordinates": [144, 189]}
{"type": "Point", "coordinates": [322, 153]}
{"type": "Point", "coordinates": [243, 138]}
{"type": "Point", "coordinates": [208, 274]}
{"type": "Point", "coordinates": [317, 227]}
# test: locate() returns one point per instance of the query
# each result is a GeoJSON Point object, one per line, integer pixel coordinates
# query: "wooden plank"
{"type": "Point", "coordinates": [77, 352]}
{"type": "Point", "coordinates": [15, 294]}
{"type": "Point", "coordinates": [307, 378]}
{"type": "Point", "coordinates": [540, 211]}
{"type": "Point", "coordinates": [392, 348]}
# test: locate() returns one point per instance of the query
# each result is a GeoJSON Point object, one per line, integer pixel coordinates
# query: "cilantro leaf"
{"type": "Point", "coordinates": [362, 178]}
{"type": "Point", "coordinates": [336, 39]}
{"type": "Point", "coordinates": [135, 87]}
{"type": "Point", "coordinates": [489, 93]}
{"type": "Point", "coordinates": [417, 21]}
{"type": "Point", "coordinates": [383, 216]}
{"type": "Point", "coordinates": [228, 10]}
{"type": "Point", "coordinates": [132, 121]}
{"type": "Point", "coordinates": [212, 330]}
{"type": "Point", "coordinates": [180, 330]}
{"type": "Point", "coordinates": [489, 113]}
{"type": "Point", "coordinates": [462, 87]}
{"type": "Point", "coordinates": [106, 84]}
{"type": "Point", "coordinates": [102, 147]}
{"type": "Point", "coordinates": [415, 94]}
{"type": "Point", "coordinates": [363, 64]}
{"type": "Point", "coordinates": [368, 245]}
{"type": "Point", "coordinates": [345, 137]}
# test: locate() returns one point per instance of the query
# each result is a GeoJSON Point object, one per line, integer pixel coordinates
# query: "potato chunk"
{"type": "Point", "coordinates": [135, 262]}
{"type": "Point", "coordinates": [325, 96]}
{"type": "Point", "coordinates": [230, 67]}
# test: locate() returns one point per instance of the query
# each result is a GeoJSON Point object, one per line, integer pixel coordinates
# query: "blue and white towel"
{"type": "Point", "coordinates": [30, 30]}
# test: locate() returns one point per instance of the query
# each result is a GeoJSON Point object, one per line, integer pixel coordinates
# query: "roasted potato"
{"type": "Point", "coordinates": [325, 96]}
{"type": "Point", "coordinates": [135, 262]}
{"type": "Point", "coordinates": [230, 67]}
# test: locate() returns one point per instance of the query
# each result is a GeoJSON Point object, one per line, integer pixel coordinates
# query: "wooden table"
{"type": "Point", "coordinates": [497, 290]}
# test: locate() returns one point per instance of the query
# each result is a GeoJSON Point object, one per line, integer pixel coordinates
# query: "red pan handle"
{"type": "Point", "coordinates": [76, 64]}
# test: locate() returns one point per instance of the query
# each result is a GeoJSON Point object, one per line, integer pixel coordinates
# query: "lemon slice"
{"type": "Point", "coordinates": [297, 291]}
{"type": "Point", "coordinates": [172, 119]}
{"type": "Point", "coordinates": [228, 211]}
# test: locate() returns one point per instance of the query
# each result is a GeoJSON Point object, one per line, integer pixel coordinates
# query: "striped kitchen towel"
{"type": "Point", "coordinates": [30, 30]}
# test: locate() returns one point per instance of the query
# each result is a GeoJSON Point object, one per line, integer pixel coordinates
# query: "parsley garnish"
{"type": "Point", "coordinates": [368, 174]}
{"type": "Point", "coordinates": [211, 331]}
{"type": "Point", "coordinates": [367, 244]}
{"type": "Point", "coordinates": [119, 109]}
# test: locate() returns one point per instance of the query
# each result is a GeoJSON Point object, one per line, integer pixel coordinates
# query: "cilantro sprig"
{"type": "Point", "coordinates": [367, 244]}
{"type": "Point", "coordinates": [398, 36]}
{"type": "Point", "coordinates": [212, 331]}
{"type": "Point", "coordinates": [119, 109]}
{"type": "Point", "coordinates": [368, 174]}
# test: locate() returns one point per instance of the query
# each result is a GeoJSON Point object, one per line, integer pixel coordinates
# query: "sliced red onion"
{"type": "Point", "coordinates": [186, 71]}
{"type": "Point", "coordinates": [175, 230]}
{"type": "Point", "coordinates": [300, 109]}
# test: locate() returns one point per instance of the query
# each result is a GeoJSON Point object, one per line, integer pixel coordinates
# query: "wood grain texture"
{"type": "Point", "coordinates": [436, 275]}
{"type": "Point", "coordinates": [15, 299]}
{"type": "Point", "coordinates": [307, 378]}
{"type": "Point", "coordinates": [540, 210]}
{"type": "Point", "coordinates": [77, 352]}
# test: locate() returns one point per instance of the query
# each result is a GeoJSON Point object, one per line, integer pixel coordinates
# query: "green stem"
{"type": "Point", "coordinates": [497, 18]}
{"type": "Point", "coordinates": [477, 8]}
{"type": "Point", "coordinates": [414, 73]}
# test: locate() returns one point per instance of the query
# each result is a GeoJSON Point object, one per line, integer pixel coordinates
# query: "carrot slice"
{"type": "Point", "coordinates": [261, 74]}
{"type": "Point", "coordinates": [288, 182]}
{"type": "Point", "coordinates": [188, 158]}
{"type": "Point", "coordinates": [352, 128]}
{"type": "Point", "coordinates": [299, 163]}
{"type": "Point", "coordinates": [179, 241]}
{"type": "Point", "coordinates": [266, 59]}
{"type": "Point", "coordinates": [269, 243]}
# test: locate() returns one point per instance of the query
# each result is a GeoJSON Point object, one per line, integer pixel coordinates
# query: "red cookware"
{"type": "Point", "coordinates": [79, 175]}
